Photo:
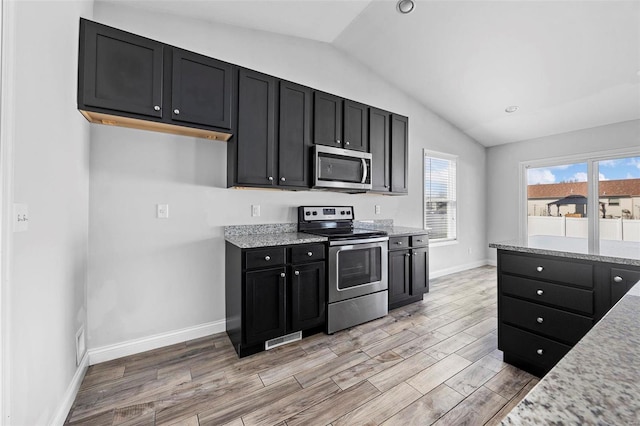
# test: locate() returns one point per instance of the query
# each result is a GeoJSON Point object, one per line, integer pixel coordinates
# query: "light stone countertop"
{"type": "Point", "coordinates": [277, 234]}
{"type": "Point", "coordinates": [621, 252]}
{"type": "Point", "coordinates": [597, 382]}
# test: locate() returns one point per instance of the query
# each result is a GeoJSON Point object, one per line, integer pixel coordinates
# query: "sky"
{"type": "Point", "coordinates": [623, 168]}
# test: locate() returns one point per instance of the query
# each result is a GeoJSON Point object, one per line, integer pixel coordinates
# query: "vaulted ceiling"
{"type": "Point", "coordinates": [567, 65]}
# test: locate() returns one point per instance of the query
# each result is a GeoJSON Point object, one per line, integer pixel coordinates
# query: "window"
{"type": "Point", "coordinates": [440, 207]}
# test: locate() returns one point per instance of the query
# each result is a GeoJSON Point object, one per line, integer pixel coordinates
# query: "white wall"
{"type": "Point", "coordinates": [149, 276]}
{"type": "Point", "coordinates": [51, 175]}
{"type": "Point", "coordinates": [503, 169]}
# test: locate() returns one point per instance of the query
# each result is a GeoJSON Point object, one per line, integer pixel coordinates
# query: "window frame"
{"type": "Point", "coordinates": [593, 182]}
{"type": "Point", "coordinates": [441, 156]}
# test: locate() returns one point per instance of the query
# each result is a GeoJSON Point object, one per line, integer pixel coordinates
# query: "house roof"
{"type": "Point", "coordinates": [608, 188]}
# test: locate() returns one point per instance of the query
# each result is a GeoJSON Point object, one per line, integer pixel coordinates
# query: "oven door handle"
{"type": "Point", "coordinates": [360, 241]}
{"type": "Point", "coordinates": [364, 170]}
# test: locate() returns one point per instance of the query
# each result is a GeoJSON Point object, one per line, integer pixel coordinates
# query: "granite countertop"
{"type": "Point", "coordinates": [389, 227]}
{"type": "Point", "coordinates": [276, 234]}
{"type": "Point", "coordinates": [598, 381]}
{"type": "Point", "coordinates": [621, 252]}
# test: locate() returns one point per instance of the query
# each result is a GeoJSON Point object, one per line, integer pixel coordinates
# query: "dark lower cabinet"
{"type": "Point", "coordinates": [546, 304]}
{"type": "Point", "coordinates": [273, 291]}
{"type": "Point", "coordinates": [264, 304]}
{"type": "Point", "coordinates": [408, 269]}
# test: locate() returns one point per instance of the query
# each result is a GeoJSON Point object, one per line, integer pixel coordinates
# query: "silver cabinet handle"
{"type": "Point", "coordinates": [540, 320]}
{"type": "Point", "coordinates": [297, 272]}
{"type": "Point", "coordinates": [282, 179]}
{"type": "Point", "coordinates": [419, 241]}
{"type": "Point", "coordinates": [346, 143]}
{"type": "Point", "coordinates": [267, 258]}
{"type": "Point", "coordinates": [282, 274]}
{"type": "Point", "coordinates": [399, 243]}
{"type": "Point", "coordinates": [539, 269]}
{"type": "Point", "coordinates": [617, 279]}
{"type": "Point", "coordinates": [337, 140]}
{"type": "Point", "coordinates": [176, 111]}
{"type": "Point", "coordinates": [540, 292]}
{"type": "Point", "coordinates": [414, 253]}
{"type": "Point", "coordinates": [270, 178]}
{"type": "Point", "coordinates": [539, 351]}
{"type": "Point", "coordinates": [407, 255]}
{"type": "Point", "coordinates": [309, 253]}
{"type": "Point", "coordinates": [157, 108]}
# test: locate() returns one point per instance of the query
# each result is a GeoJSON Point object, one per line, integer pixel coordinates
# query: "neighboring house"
{"type": "Point", "coordinates": [618, 198]}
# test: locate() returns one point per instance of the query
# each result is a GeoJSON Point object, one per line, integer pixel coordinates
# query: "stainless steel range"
{"type": "Point", "coordinates": [357, 265]}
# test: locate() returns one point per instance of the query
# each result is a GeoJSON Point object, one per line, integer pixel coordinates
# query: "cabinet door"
{"type": "Point", "coordinates": [419, 271]}
{"type": "Point", "coordinates": [356, 126]}
{"type": "Point", "coordinates": [379, 148]}
{"type": "Point", "coordinates": [399, 275]}
{"type": "Point", "coordinates": [307, 296]}
{"type": "Point", "coordinates": [201, 90]}
{"type": "Point", "coordinates": [121, 71]}
{"type": "Point", "coordinates": [327, 119]}
{"type": "Point", "coordinates": [399, 147]}
{"type": "Point", "coordinates": [621, 282]}
{"type": "Point", "coordinates": [256, 128]}
{"type": "Point", "coordinates": [294, 133]}
{"type": "Point", "coordinates": [264, 305]}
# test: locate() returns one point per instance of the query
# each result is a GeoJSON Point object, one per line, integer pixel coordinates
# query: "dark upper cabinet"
{"type": "Point", "coordinates": [327, 119]}
{"type": "Point", "coordinates": [380, 150]}
{"type": "Point", "coordinates": [307, 296]}
{"type": "Point", "coordinates": [119, 71]}
{"type": "Point", "coordinates": [399, 153]}
{"type": "Point", "coordinates": [201, 90]}
{"type": "Point", "coordinates": [264, 307]}
{"type": "Point", "coordinates": [256, 133]}
{"type": "Point", "coordinates": [356, 126]}
{"type": "Point", "coordinates": [294, 135]}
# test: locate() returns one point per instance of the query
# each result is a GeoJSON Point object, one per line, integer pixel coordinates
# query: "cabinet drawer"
{"type": "Point", "coordinates": [580, 274]}
{"type": "Point", "coordinates": [551, 322]}
{"type": "Point", "coordinates": [552, 294]}
{"type": "Point", "coordinates": [419, 240]}
{"type": "Point", "coordinates": [536, 349]}
{"type": "Point", "coordinates": [306, 253]}
{"type": "Point", "coordinates": [396, 243]}
{"type": "Point", "coordinates": [261, 258]}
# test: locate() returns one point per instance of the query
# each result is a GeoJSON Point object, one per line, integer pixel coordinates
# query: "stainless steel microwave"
{"type": "Point", "coordinates": [338, 168]}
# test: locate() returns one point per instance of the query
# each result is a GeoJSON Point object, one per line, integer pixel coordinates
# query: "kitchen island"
{"type": "Point", "coordinates": [598, 381]}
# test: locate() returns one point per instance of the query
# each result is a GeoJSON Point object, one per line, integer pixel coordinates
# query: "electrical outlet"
{"type": "Point", "coordinates": [255, 210]}
{"type": "Point", "coordinates": [20, 217]}
{"type": "Point", "coordinates": [162, 211]}
{"type": "Point", "coordinates": [377, 209]}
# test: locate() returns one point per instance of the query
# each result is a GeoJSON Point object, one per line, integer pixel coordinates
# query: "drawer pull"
{"type": "Point", "coordinates": [282, 274]}
{"type": "Point", "coordinates": [539, 351]}
{"type": "Point", "coordinates": [297, 272]}
{"type": "Point", "coordinates": [539, 269]}
{"type": "Point", "coordinates": [407, 254]}
{"type": "Point", "coordinates": [267, 258]}
{"type": "Point", "coordinates": [399, 243]}
{"type": "Point", "coordinates": [309, 253]}
{"type": "Point", "coordinates": [540, 292]}
{"type": "Point", "coordinates": [540, 320]}
{"type": "Point", "coordinates": [617, 279]}
{"type": "Point", "coordinates": [419, 241]}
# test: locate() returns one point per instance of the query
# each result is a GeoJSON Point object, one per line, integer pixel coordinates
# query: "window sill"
{"type": "Point", "coordinates": [443, 243]}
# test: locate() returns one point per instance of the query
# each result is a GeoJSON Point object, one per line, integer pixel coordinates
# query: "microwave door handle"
{"type": "Point", "coordinates": [364, 170]}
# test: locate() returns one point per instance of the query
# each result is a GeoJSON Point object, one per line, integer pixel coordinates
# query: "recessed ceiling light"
{"type": "Point", "coordinates": [512, 108]}
{"type": "Point", "coordinates": [405, 6]}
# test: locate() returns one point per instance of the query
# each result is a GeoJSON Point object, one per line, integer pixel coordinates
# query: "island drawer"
{"type": "Point", "coordinates": [262, 258]}
{"type": "Point", "coordinates": [307, 253]}
{"type": "Point", "coordinates": [579, 274]}
{"type": "Point", "coordinates": [396, 243]}
{"type": "Point", "coordinates": [419, 240]}
{"type": "Point", "coordinates": [536, 349]}
{"type": "Point", "coordinates": [553, 294]}
{"type": "Point", "coordinates": [551, 322]}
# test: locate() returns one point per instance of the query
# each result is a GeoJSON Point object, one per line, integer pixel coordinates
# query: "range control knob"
{"type": "Point", "coordinates": [307, 213]}
{"type": "Point", "coordinates": [315, 213]}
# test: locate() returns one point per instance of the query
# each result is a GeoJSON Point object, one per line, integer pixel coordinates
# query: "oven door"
{"type": "Point", "coordinates": [357, 268]}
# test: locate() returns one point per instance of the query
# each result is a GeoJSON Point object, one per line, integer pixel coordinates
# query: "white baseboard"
{"type": "Point", "coordinates": [72, 392]}
{"type": "Point", "coordinates": [131, 347]}
{"type": "Point", "coordinates": [492, 262]}
{"type": "Point", "coordinates": [459, 268]}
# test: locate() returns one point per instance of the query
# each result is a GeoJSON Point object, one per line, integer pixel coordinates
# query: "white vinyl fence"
{"type": "Point", "coordinates": [610, 229]}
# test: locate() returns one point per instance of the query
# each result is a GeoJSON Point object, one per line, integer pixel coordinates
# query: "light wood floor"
{"type": "Point", "coordinates": [434, 361]}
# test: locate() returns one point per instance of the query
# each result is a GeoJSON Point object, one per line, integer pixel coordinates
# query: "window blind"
{"type": "Point", "coordinates": [440, 207]}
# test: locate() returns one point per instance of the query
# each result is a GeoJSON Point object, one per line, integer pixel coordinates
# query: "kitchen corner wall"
{"type": "Point", "coordinates": [503, 164]}
{"type": "Point", "coordinates": [48, 262]}
{"type": "Point", "coordinates": [151, 276]}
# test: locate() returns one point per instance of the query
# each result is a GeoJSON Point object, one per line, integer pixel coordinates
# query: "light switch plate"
{"type": "Point", "coordinates": [255, 210]}
{"type": "Point", "coordinates": [377, 209]}
{"type": "Point", "coordinates": [163, 211]}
